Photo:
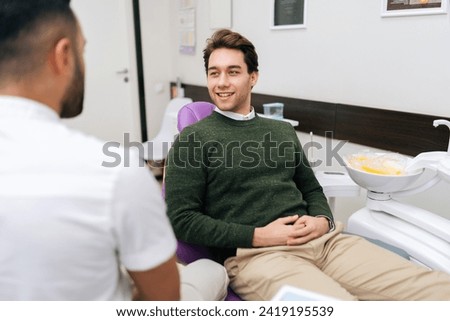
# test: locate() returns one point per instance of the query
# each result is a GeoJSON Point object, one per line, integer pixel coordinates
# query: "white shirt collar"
{"type": "Point", "coordinates": [236, 116]}
{"type": "Point", "coordinates": [19, 107]}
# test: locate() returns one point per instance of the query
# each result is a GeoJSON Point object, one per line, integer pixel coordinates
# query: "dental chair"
{"type": "Point", "coordinates": [423, 234]}
{"type": "Point", "coordinates": [335, 184]}
{"type": "Point", "coordinates": [157, 148]}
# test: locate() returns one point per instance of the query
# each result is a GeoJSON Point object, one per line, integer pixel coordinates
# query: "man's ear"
{"type": "Point", "coordinates": [254, 78]}
{"type": "Point", "coordinates": [61, 57]}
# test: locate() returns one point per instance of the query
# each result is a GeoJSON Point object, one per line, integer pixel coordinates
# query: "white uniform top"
{"type": "Point", "coordinates": [67, 223]}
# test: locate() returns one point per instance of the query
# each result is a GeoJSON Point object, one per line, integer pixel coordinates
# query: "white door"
{"type": "Point", "coordinates": [111, 107]}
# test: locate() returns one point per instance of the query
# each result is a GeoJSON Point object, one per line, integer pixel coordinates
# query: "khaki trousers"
{"type": "Point", "coordinates": [346, 267]}
{"type": "Point", "coordinates": [203, 280]}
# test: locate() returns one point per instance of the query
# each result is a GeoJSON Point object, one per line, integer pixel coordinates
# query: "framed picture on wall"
{"type": "Point", "coordinates": [288, 14]}
{"type": "Point", "coordinates": [395, 8]}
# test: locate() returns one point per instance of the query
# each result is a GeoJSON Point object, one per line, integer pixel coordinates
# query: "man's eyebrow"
{"type": "Point", "coordinates": [228, 67]}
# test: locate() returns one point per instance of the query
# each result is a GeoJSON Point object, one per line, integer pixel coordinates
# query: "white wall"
{"type": "Point", "coordinates": [347, 54]}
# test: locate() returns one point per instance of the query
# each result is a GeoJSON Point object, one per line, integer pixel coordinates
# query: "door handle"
{"type": "Point", "coordinates": [122, 72]}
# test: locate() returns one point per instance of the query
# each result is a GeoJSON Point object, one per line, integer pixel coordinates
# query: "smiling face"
{"type": "Point", "coordinates": [229, 83]}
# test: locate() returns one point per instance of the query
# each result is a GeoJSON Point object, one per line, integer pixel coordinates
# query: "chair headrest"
{"type": "Point", "coordinates": [193, 112]}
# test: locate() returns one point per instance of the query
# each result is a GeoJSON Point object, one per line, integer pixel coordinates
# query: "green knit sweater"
{"type": "Point", "coordinates": [225, 177]}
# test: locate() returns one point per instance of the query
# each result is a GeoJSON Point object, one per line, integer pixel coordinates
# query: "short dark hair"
{"type": "Point", "coordinates": [225, 38]}
{"type": "Point", "coordinates": [23, 24]}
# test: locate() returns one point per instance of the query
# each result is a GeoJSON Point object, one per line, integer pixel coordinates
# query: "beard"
{"type": "Point", "coordinates": [72, 102]}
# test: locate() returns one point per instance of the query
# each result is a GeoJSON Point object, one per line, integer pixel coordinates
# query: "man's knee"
{"type": "Point", "coordinates": [203, 280]}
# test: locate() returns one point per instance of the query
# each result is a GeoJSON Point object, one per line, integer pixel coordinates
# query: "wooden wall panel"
{"type": "Point", "coordinates": [318, 117]}
{"type": "Point", "coordinates": [406, 133]}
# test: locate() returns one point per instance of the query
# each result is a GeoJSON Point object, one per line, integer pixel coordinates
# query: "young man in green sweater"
{"type": "Point", "coordinates": [241, 185]}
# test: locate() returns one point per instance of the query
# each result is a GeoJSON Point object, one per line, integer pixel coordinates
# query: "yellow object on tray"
{"type": "Point", "coordinates": [378, 163]}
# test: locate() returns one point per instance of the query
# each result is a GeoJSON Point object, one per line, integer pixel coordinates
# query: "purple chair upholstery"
{"type": "Point", "coordinates": [193, 112]}
{"type": "Point", "coordinates": [188, 253]}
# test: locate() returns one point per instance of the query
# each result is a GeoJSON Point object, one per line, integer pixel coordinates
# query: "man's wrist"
{"type": "Point", "coordinates": [257, 242]}
{"type": "Point", "coordinates": [331, 225]}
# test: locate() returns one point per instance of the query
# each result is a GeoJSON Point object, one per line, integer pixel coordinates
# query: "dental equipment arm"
{"type": "Point", "coordinates": [435, 224]}
{"type": "Point", "coordinates": [438, 122]}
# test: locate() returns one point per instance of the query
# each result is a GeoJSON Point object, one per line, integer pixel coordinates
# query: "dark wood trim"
{"type": "Point", "coordinates": [140, 70]}
{"type": "Point", "coordinates": [402, 132]}
{"type": "Point", "coordinates": [313, 116]}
